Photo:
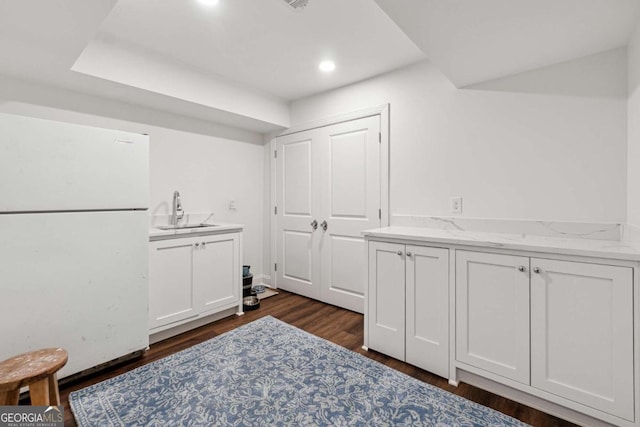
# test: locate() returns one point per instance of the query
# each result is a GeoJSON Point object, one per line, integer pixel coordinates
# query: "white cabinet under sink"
{"type": "Point", "coordinates": [171, 282]}
{"type": "Point", "coordinates": [193, 277]}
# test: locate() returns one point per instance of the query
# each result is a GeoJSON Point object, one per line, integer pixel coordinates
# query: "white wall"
{"type": "Point", "coordinates": [209, 172]}
{"type": "Point", "coordinates": [633, 173]}
{"type": "Point", "coordinates": [515, 154]}
{"type": "Point", "coordinates": [209, 166]}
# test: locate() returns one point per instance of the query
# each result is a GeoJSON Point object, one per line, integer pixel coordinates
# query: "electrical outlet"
{"type": "Point", "coordinates": [456, 204]}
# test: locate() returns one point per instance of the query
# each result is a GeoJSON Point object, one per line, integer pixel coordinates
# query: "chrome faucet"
{"type": "Point", "coordinates": [177, 213]}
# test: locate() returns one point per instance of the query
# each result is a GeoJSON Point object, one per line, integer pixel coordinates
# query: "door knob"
{"type": "Point", "coordinates": [314, 225]}
{"type": "Point", "coordinates": [324, 225]}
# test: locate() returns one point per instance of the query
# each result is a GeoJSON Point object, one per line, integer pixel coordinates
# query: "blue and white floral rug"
{"type": "Point", "coordinates": [268, 373]}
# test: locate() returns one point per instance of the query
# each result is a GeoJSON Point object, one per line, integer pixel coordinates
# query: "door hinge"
{"type": "Point", "coordinates": [275, 210]}
{"type": "Point", "coordinates": [379, 137]}
{"type": "Point", "coordinates": [379, 213]}
{"type": "Point", "coordinates": [275, 154]}
{"type": "Point", "coordinates": [275, 267]}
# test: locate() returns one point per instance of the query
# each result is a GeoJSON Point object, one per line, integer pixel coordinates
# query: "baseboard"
{"type": "Point", "coordinates": [101, 367]}
{"type": "Point", "coordinates": [262, 279]}
{"type": "Point", "coordinates": [180, 329]}
{"type": "Point", "coordinates": [530, 400]}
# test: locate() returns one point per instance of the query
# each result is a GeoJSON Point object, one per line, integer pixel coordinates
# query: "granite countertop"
{"type": "Point", "coordinates": [610, 249]}
{"type": "Point", "coordinates": [157, 234]}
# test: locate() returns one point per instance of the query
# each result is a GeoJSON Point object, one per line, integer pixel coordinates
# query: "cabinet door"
{"type": "Point", "coordinates": [171, 297]}
{"type": "Point", "coordinates": [386, 314]}
{"type": "Point", "coordinates": [217, 271]}
{"type": "Point", "coordinates": [582, 333]}
{"type": "Point", "coordinates": [427, 305]}
{"type": "Point", "coordinates": [492, 313]}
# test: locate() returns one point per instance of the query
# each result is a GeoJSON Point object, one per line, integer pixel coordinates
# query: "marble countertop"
{"type": "Point", "coordinates": [610, 249]}
{"type": "Point", "coordinates": [158, 234]}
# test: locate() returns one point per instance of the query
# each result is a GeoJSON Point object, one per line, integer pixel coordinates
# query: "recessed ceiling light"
{"type": "Point", "coordinates": [327, 66]}
{"type": "Point", "coordinates": [209, 2]}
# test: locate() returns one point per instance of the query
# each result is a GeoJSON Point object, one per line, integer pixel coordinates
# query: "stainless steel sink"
{"type": "Point", "coordinates": [183, 226]}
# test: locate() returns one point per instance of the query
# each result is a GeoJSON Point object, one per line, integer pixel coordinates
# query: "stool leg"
{"type": "Point", "coordinates": [54, 392]}
{"type": "Point", "coordinates": [8, 398]}
{"type": "Point", "coordinates": [39, 392]}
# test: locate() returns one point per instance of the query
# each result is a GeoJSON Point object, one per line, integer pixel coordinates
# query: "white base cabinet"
{"type": "Point", "coordinates": [408, 305]}
{"type": "Point", "coordinates": [562, 327]}
{"type": "Point", "coordinates": [582, 333]}
{"type": "Point", "coordinates": [171, 281]}
{"type": "Point", "coordinates": [192, 277]}
{"type": "Point", "coordinates": [492, 313]}
{"type": "Point", "coordinates": [556, 331]}
{"type": "Point", "coordinates": [385, 299]}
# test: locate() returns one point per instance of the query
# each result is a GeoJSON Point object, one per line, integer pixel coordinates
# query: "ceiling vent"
{"type": "Point", "coordinates": [297, 4]}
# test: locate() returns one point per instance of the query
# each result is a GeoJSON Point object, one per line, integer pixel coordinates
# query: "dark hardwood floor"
{"type": "Point", "coordinates": [332, 323]}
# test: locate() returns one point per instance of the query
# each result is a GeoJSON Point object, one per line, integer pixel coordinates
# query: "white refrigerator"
{"type": "Point", "coordinates": [73, 240]}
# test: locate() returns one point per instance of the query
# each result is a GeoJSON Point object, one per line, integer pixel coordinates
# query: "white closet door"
{"type": "Point", "coordinates": [297, 200]}
{"type": "Point", "coordinates": [330, 174]}
{"type": "Point", "coordinates": [350, 200]}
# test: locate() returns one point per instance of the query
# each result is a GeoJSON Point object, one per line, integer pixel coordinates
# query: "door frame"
{"type": "Point", "coordinates": [383, 111]}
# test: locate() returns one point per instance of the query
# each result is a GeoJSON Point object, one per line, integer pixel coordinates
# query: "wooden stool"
{"type": "Point", "coordinates": [36, 369]}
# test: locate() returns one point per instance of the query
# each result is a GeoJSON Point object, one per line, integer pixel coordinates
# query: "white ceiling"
{"type": "Point", "coordinates": [41, 40]}
{"type": "Point", "coordinates": [265, 44]}
{"type": "Point", "coordinates": [241, 63]}
{"type": "Point", "coordinates": [473, 41]}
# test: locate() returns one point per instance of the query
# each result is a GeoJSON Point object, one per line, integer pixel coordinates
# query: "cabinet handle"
{"type": "Point", "coordinates": [537, 270]}
{"type": "Point", "coordinates": [197, 244]}
{"type": "Point", "coordinates": [522, 268]}
{"type": "Point", "coordinates": [408, 253]}
{"type": "Point", "coordinates": [204, 243]}
{"type": "Point", "coordinates": [399, 253]}
{"type": "Point", "coordinates": [314, 225]}
{"type": "Point", "coordinates": [324, 225]}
